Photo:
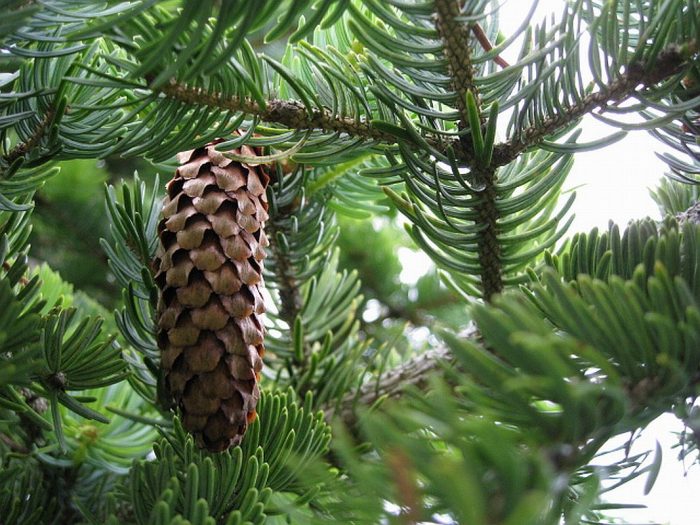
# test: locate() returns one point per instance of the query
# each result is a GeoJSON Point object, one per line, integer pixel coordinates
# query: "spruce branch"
{"type": "Point", "coordinates": [295, 115]}
{"type": "Point", "coordinates": [415, 372]}
{"type": "Point", "coordinates": [457, 38]}
{"type": "Point", "coordinates": [292, 114]}
{"type": "Point", "coordinates": [669, 62]}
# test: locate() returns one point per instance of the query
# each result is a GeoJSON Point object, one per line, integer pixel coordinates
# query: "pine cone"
{"type": "Point", "coordinates": [209, 271]}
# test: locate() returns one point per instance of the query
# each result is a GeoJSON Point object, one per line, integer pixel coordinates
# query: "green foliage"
{"type": "Point", "coordinates": [561, 368]}
{"type": "Point", "coordinates": [674, 198]}
{"type": "Point", "coordinates": [133, 220]}
{"type": "Point", "coordinates": [68, 222]}
{"type": "Point", "coordinates": [475, 471]}
{"type": "Point", "coordinates": [231, 487]}
{"type": "Point", "coordinates": [643, 242]}
{"type": "Point", "coordinates": [372, 249]}
{"type": "Point", "coordinates": [19, 321]}
{"type": "Point", "coordinates": [440, 225]}
{"type": "Point", "coordinates": [23, 498]}
{"type": "Point", "coordinates": [376, 115]}
{"type": "Point", "coordinates": [107, 446]}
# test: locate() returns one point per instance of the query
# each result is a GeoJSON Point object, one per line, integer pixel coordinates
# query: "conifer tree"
{"type": "Point", "coordinates": [280, 122]}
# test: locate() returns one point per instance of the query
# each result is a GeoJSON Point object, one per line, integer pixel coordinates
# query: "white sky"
{"type": "Point", "coordinates": [613, 183]}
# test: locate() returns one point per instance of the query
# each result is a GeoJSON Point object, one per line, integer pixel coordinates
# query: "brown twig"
{"type": "Point", "coordinates": [486, 45]}
{"type": "Point", "coordinates": [13, 445]}
{"type": "Point", "coordinates": [25, 147]}
{"type": "Point", "coordinates": [414, 373]}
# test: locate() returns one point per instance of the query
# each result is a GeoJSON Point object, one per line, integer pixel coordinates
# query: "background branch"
{"type": "Point", "coordinates": [413, 373]}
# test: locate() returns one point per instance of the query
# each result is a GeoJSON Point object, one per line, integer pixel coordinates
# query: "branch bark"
{"type": "Point", "coordinates": [691, 215]}
{"type": "Point", "coordinates": [292, 114]}
{"type": "Point", "coordinates": [414, 373]}
{"type": "Point", "coordinates": [456, 42]}
{"type": "Point", "coordinates": [457, 49]}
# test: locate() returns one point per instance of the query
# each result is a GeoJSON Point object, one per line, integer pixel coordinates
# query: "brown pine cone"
{"type": "Point", "coordinates": [209, 271]}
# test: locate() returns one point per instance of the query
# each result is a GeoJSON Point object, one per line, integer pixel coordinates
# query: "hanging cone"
{"type": "Point", "coordinates": [209, 271]}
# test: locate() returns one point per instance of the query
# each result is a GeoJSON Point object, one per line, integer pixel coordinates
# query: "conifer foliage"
{"type": "Point", "coordinates": [285, 123]}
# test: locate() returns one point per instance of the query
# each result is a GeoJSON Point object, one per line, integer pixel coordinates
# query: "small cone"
{"type": "Point", "coordinates": [209, 271]}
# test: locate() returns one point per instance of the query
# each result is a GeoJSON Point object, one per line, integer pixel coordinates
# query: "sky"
{"type": "Point", "coordinates": [613, 184]}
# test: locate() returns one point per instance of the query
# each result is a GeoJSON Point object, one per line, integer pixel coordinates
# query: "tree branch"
{"type": "Point", "coordinates": [292, 114]}
{"type": "Point", "coordinates": [413, 373]}
{"type": "Point", "coordinates": [668, 63]}
{"type": "Point", "coordinates": [456, 40]}
{"type": "Point", "coordinates": [455, 37]}
{"type": "Point", "coordinates": [691, 215]}
{"type": "Point", "coordinates": [489, 247]}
